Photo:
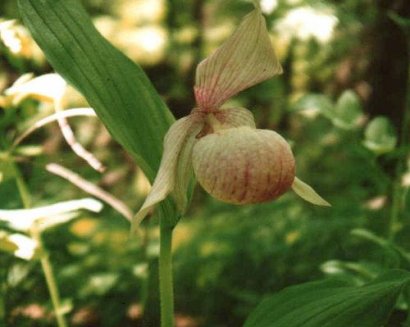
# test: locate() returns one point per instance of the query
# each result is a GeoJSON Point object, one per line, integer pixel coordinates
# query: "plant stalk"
{"type": "Point", "coordinates": [50, 278]}
{"type": "Point", "coordinates": [45, 262]}
{"type": "Point", "coordinates": [398, 189]}
{"type": "Point", "coordinates": [3, 294]}
{"type": "Point", "coordinates": [146, 279]}
{"type": "Point", "coordinates": [165, 275]}
{"type": "Point", "coordinates": [21, 186]}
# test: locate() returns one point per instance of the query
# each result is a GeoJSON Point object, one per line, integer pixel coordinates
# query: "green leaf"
{"type": "Point", "coordinates": [117, 89]}
{"type": "Point", "coordinates": [344, 114]}
{"type": "Point", "coordinates": [380, 136]}
{"type": "Point", "coordinates": [331, 303]}
{"type": "Point", "coordinates": [399, 20]}
{"type": "Point", "coordinates": [348, 110]}
{"type": "Point", "coordinates": [394, 251]}
{"type": "Point", "coordinates": [319, 102]}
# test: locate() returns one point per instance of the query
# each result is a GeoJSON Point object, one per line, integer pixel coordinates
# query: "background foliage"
{"type": "Point", "coordinates": [341, 103]}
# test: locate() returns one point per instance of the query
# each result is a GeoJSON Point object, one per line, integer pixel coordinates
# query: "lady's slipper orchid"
{"type": "Point", "coordinates": [232, 159]}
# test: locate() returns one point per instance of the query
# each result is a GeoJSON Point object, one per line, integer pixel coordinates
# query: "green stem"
{"type": "Point", "coordinates": [398, 189]}
{"type": "Point", "coordinates": [21, 186]}
{"type": "Point", "coordinates": [3, 294]}
{"type": "Point", "coordinates": [146, 278]}
{"type": "Point", "coordinates": [45, 262]}
{"type": "Point", "coordinates": [395, 210]}
{"type": "Point", "coordinates": [3, 306]}
{"type": "Point", "coordinates": [165, 275]}
{"type": "Point", "coordinates": [50, 279]}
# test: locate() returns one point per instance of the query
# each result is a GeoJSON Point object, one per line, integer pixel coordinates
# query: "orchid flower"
{"type": "Point", "coordinates": [232, 160]}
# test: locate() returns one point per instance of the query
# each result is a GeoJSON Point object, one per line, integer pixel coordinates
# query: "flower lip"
{"type": "Point", "coordinates": [244, 165]}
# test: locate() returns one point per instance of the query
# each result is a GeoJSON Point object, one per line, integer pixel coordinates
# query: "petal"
{"type": "Point", "coordinates": [51, 118]}
{"type": "Point", "coordinates": [235, 117]}
{"type": "Point", "coordinates": [184, 169]}
{"type": "Point", "coordinates": [165, 180]}
{"type": "Point", "coordinates": [308, 193]}
{"type": "Point", "coordinates": [26, 246]}
{"type": "Point", "coordinates": [23, 219]}
{"type": "Point", "coordinates": [48, 87]}
{"type": "Point", "coordinates": [245, 59]}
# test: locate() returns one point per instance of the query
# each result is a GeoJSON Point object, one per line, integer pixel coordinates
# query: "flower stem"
{"type": "Point", "coordinates": [146, 278]}
{"type": "Point", "coordinates": [398, 188]}
{"type": "Point", "coordinates": [165, 275]}
{"type": "Point", "coordinates": [21, 185]}
{"type": "Point", "coordinates": [45, 262]}
{"type": "Point", "coordinates": [3, 294]}
{"type": "Point", "coordinates": [50, 278]}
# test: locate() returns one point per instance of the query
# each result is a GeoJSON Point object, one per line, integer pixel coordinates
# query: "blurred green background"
{"type": "Point", "coordinates": [340, 103]}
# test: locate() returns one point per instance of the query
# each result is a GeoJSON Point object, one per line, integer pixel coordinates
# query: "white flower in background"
{"type": "Point", "coordinates": [18, 41]}
{"type": "Point", "coordinates": [153, 39]}
{"type": "Point", "coordinates": [144, 44]}
{"type": "Point", "coordinates": [48, 216]}
{"type": "Point", "coordinates": [268, 6]}
{"type": "Point", "coordinates": [304, 23]}
{"type": "Point", "coordinates": [139, 13]}
{"type": "Point", "coordinates": [9, 37]}
{"type": "Point", "coordinates": [406, 180]}
{"type": "Point", "coordinates": [26, 246]}
{"type": "Point", "coordinates": [48, 88]}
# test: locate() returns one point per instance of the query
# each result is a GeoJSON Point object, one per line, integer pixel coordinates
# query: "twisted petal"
{"type": "Point", "coordinates": [245, 59]}
{"type": "Point", "coordinates": [181, 133]}
{"type": "Point", "coordinates": [308, 193]}
{"type": "Point", "coordinates": [184, 169]}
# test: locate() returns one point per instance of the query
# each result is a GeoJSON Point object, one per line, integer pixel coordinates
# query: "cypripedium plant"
{"type": "Point", "coordinates": [232, 160]}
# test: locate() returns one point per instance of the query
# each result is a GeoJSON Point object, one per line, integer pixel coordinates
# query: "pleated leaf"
{"type": "Point", "coordinates": [331, 303]}
{"type": "Point", "coordinates": [116, 88]}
